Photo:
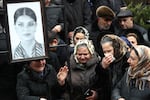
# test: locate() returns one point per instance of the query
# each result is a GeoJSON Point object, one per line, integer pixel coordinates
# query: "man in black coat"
{"type": "Point", "coordinates": [125, 22]}
{"type": "Point", "coordinates": [102, 26]}
{"type": "Point", "coordinates": [8, 71]}
{"type": "Point", "coordinates": [77, 13]}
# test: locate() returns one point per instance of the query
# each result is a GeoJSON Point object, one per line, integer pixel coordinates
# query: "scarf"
{"type": "Point", "coordinates": [141, 73]}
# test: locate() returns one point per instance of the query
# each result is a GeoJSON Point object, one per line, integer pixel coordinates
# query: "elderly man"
{"type": "Point", "coordinates": [102, 25]}
{"type": "Point", "coordinates": [125, 19]}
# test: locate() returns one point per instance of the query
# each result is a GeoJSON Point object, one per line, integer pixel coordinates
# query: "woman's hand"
{"type": "Point", "coordinates": [43, 99]}
{"type": "Point", "coordinates": [106, 61]}
{"type": "Point", "coordinates": [62, 75]}
{"type": "Point", "coordinates": [121, 99]}
{"type": "Point", "coordinates": [93, 96]}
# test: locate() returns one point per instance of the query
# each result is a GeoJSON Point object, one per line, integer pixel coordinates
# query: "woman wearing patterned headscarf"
{"type": "Point", "coordinates": [113, 64]}
{"type": "Point", "coordinates": [79, 33]}
{"type": "Point", "coordinates": [135, 85]}
{"type": "Point", "coordinates": [83, 63]}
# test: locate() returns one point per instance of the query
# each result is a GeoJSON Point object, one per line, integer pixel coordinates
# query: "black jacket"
{"type": "Point", "coordinates": [115, 5]}
{"type": "Point", "coordinates": [54, 15]}
{"type": "Point", "coordinates": [77, 13]}
{"type": "Point", "coordinates": [97, 34]}
{"type": "Point", "coordinates": [8, 71]}
{"type": "Point", "coordinates": [32, 86]}
{"type": "Point", "coordinates": [130, 92]}
{"type": "Point", "coordinates": [108, 78]}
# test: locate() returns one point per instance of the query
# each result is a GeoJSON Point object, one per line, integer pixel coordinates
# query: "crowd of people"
{"type": "Point", "coordinates": [95, 52]}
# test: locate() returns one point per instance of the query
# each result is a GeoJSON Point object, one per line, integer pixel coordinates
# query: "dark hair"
{"type": "Point", "coordinates": [136, 34]}
{"type": "Point", "coordinates": [132, 34]}
{"type": "Point", "coordinates": [79, 30]}
{"type": "Point", "coordinates": [82, 30]}
{"type": "Point", "coordinates": [24, 11]}
{"type": "Point", "coordinates": [51, 36]}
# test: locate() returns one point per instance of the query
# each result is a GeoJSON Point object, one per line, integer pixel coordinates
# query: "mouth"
{"type": "Point", "coordinates": [26, 34]}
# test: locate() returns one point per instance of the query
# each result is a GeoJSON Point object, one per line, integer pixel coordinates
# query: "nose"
{"type": "Point", "coordinates": [82, 56]}
{"type": "Point", "coordinates": [109, 22]}
{"type": "Point", "coordinates": [122, 22]}
{"type": "Point", "coordinates": [42, 61]}
{"type": "Point", "coordinates": [25, 28]}
{"type": "Point", "coordinates": [128, 60]}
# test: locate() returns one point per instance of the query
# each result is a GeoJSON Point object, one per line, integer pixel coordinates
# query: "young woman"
{"type": "Point", "coordinates": [113, 64]}
{"type": "Point", "coordinates": [25, 22]}
{"type": "Point", "coordinates": [135, 85]}
{"type": "Point", "coordinates": [79, 33]}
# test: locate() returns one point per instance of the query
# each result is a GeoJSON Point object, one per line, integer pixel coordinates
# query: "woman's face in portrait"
{"type": "Point", "coordinates": [78, 36]}
{"type": "Point", "coordinates": [83, 54]}
{"type": "Point", "coordinates": [25, 27]}
{"type": "Point", "coordinates": [133, 59]}
{"type": "Point", "coordinates": [108, 48]}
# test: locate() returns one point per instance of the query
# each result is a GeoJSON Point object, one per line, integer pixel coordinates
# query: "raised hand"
{"type": "Point", "coordinates": [62, 75]}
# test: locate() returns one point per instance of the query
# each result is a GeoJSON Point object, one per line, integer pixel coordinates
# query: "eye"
{"type": "Point", "coordinates": [77, 38]}
{"type": "Point", "coordinates": [20, 24]}
{"type": "Point", "coordinates": [31, 24]}
{"type": "Point", "coordinates": [132, 42]}
{"type": "Point", "coordinates": [85, 54]}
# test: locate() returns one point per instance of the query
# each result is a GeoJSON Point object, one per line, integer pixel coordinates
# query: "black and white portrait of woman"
{"type": "Point", "coordinates": [26, 30]}
{"type": "Point", "coordinates": [1, 4]}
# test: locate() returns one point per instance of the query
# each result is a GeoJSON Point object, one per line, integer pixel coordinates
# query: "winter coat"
{"type": "Point", "coordinates": [54, 16]}
{"type": "Point", "coordinates": [115, 5]}
{"type": "Point", "coordinates": [130, 92]}
{"type": "Point", "coordinates": [32, 85]}
{"type": "Point", "coordinates": [53, 60]}
{"type": "Point", "coordinates": [61, 52]}
{"type": "Point", "coordinates": [77, 13]}
{"type": "Point", "coordinates": [143, 31]}
{"type": "Point", "coordinates": [108, 78]}
{"type": "Point", "coordinates": [83, 77]}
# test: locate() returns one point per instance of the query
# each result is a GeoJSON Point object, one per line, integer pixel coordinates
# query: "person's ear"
{"type": "Point", "coordinates": [55, 41]}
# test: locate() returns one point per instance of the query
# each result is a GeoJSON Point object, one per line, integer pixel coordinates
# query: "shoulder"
{"type": "Point", "coordinates": [50, 67]}
{"type": "Point", "coordinates": [140, 28]}
{"type": "Point", "coordinates": [24, 74]}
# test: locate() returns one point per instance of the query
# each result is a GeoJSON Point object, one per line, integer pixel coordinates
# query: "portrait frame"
{"type": "Point", "coordinates": [27, 37]}
{"type": "Point", "coordinates": [1, 4]}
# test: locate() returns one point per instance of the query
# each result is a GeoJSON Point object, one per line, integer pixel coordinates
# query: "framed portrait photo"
{"type": "Point", "coordinates": [26, 30]}
{"type": "Point", "coordinates": [1, 4]}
